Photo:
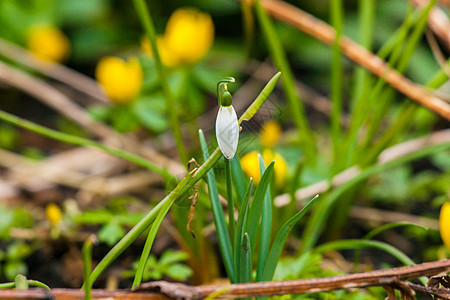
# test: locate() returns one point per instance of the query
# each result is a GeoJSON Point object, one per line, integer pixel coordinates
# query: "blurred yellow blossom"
{"type": "Point", "coordinates": [168, 57]}
{"type": "Point", "coordinates": [121, 80]}
{"type": "Point", "coordinates": [250, 166]}
{"type": "Point", "coordinates": [444, 224]}
{"type": "Point", "coordinates": [53, 213]}
{"type": "Point", "coordinates": [270, 133]}
{"type": "Point", "coordinates": [188, 37]}
{"type": "Point", "coordinates": [48, 43]}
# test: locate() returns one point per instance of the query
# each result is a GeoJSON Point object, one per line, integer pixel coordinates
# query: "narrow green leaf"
{"type": "Point", "coordinates": [245, 260]}
{"type": "Point", "coordinates": [7, 285]}
{"type": "Point", "coordinates": [257, 203]}
{"type": "Point", "coordinates": [79, 141]}
{"type": "Point", "coordinates": [219, 219]}
{"type": "Point", "coordinates": [240, 227]}
{"type": "Point", "coordinates": [36, 283]}
{"type": "Point", "coordinates": [266, 226]}
{"type": "Point", "coordinates": [239, 179]}
{"type": "Point", "coordinates": [280, 240]}
{"type": "Point", "coordinates": [155, 227]}
{"type": "Point", "coordinates": [337, 16]}
{"type": "Point", "coordinates": [360, 244]}
{"type": "Point", "coordinates": [381, 229]}
{"type": "Point", "coordinates": [262, 97]}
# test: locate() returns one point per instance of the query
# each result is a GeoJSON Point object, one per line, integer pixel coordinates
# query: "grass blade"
{"type": "Point", "coordinates": [262, 97]}
{"type": "Point", "coordinates": [245, 260]}
{"type": "Point", "coordinates": [219, 219]}
{"type": "Point", "coordinates": [280, 60]}
{"type": "Point", "coordinates": [255, 210]}
{"type": "Point", "coordinates": [155, 227]}
{"type": "Point", "coordinates": [336, 11]}
{"type": "Point", "coordinates": [239, 179]}
{"type": "Point", "coordinates": [379, 230]}
{"type": "Point", "coordinates": [280, 240]}
{"type": "Point", "coordinates": [240, 228]}
{"type": "Point", "coordinates": [266, 226]}
{"type": "Point", "coordinates": [360, 244]}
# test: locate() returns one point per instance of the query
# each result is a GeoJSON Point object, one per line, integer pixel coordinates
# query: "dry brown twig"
{"type": "Point", "coordinates": [53, 70]}
{"type": "Point", "coordinates": [88, 170]}
{"type": "Point", "coordinates": [393, 278]}
{"type": "Point", "coordinates": [325, 33]}
{"type": "Point", "coordinates": [438, 22]}
{"type": "Point", "coordinates": [63, 104]}
{"type": "Point", "coordinates": [439, 137]}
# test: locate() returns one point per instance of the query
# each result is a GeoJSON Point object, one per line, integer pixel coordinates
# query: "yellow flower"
{"type": "Point", "coordinates": [53, 213]}
{"type": "Point", "coordinates": [188, 37]}
{"type": "Point", "coordinates": [168, 57]}
{"type": "Point", "coordinates": [48, 43]}
{"type": "Point", "coordinates": [250, 166]}
{"type": "Point", "coordinates": [444, 224]}
{"type": "Point", "coordinates": [270, 133]}
{"type": "Point", "coordinates": [121, 80]}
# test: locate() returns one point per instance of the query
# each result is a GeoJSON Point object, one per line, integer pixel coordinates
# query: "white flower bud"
{"type": "Point", "coordinates": [227, 131]}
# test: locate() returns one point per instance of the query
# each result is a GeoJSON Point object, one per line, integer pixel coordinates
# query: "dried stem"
{"type": "Point", "coordinates": [53, 70]}
{"type": "Point", "coordinates": [63, 104]}
{"type": "Point", "coordinates": [438, 22]}
{"type": "Point", "coordinates": [393, 278]}
{"type": "Point", "coordinates": [325, 33]}
{"type": "Point", "coordinates": [440, 137]}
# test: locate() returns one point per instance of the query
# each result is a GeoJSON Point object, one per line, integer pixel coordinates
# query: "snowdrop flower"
{"type": "Point", "coordinates": [227, 127]}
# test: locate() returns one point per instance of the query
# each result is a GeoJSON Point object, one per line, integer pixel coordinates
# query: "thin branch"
{"type": "Point", "coordinates": [53, 98]}
{"type": "Point", "coordinates": [394, 278]}
{"type": "Point", "coordinates": [53, 70]}
{"type": "Point", "coordinates": [63, 104]}
{"type": "Point", "coordinates": [438, 22]}
{"type": "Point", "coordinates": [440, 137]}
{"type": "Point", "coordinates": [325, 33]}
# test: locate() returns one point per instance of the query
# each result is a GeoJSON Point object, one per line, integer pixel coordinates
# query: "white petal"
{"type": "Point", "coordinates": [227, 131]}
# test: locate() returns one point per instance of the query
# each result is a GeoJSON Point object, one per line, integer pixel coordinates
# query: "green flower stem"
{"type": "Point", "coordinates": [336, 11]}
{"type": "Point", "coordinates": [79, 141]}
{"type": "Point", "coordinates": [296, 108]}
{"type": "Point", "coordinates": [377, 231]}
{"type": "Point", "coordinates": [146, 20]}
{"type": "Point", "coordinates": [360, 244]}
{"type": "Point", "coordinates": [325, 207]}
{"type": "Point", "coordinates": [231, 221]}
